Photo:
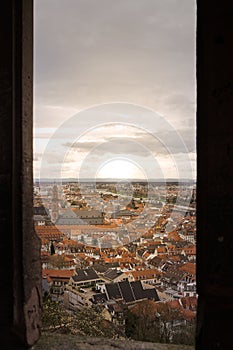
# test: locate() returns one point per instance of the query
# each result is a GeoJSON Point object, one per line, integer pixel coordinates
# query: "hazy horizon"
{"type": "Point", "coordinates": [116, 179]}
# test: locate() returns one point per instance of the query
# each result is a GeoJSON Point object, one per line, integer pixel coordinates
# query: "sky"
{"type": "Point", "coordinates": [114, 89]}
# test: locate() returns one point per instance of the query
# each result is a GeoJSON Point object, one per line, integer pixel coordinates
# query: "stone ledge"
{"type": "Point", "coordinates": [69, 342]}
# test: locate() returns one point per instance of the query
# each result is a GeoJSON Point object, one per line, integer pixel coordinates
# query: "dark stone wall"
{"type": "Point", "coordinates": [6, 241]}
{"type": "Point", "coordinates": [215, 174]}
{"type": "Point", "coordinates": [20, 267]}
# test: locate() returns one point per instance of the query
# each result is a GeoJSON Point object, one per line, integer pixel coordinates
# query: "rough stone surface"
{"type": "Point", "coordinates": [214, 174]}
{"type": "Point", "coordinates": [68, 342]}
{"type": "Point", "coordinates": [19, 266]}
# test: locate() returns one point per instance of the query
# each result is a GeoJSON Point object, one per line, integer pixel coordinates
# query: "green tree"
{"type": "Point", "coordinates": [149, 321]}
{"type": "Point", "coordinates": [55, 317]}
{"type": "Point", "coordinates": [186, 334]}
{"type": "Point", "coordinates": [57, 261]}
{"type": "Point", "coordinates": [167, 318]}
{"type": "Point", "coordinates": [52, 249]}
{"type": "Point", "coordinates": [141, 323]}
{"type": "Point", "coordinates": [131, 325]}
{"type": "Point", "coordinates": [83, 322]}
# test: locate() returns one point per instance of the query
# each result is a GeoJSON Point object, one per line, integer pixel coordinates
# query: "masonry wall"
{"type": "Point", "coordinates": [20, 268]}
{"type": "Point", "coordinates": [215, 174]}
{"type": "Point", "coordinates": [5, 173]}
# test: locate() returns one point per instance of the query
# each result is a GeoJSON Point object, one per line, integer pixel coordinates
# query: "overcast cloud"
{"type": "Point", "coordinates": [90, 52]}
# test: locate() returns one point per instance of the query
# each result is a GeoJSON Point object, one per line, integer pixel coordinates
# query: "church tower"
{"type": "Point", "coordinates": [54, 206]}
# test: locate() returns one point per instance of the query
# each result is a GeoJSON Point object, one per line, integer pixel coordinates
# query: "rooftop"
{"type": "Point", "coordinates": [88, 274]}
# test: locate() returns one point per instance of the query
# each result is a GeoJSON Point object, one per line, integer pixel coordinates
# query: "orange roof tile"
{"type": "Point", "coordinates": [189, 268]}
{"type": "Point", "coordinates": [161, 250]}
{"type": "Point", "coordinates": [145, 274]}
{"type": "Point", "coordinates": [57, 273]}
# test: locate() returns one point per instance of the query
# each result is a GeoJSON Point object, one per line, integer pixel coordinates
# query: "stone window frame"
{"type": "Point", "coordinates": [20, 295]}
{"type": "Point", "coordinates": [20, 299]}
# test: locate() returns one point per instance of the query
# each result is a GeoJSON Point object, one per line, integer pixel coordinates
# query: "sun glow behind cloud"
{"type": "Point", "coordinates": [120, 169]}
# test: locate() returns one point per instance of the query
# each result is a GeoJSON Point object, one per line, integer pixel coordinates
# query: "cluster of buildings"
{"type": "Point", "coordinates": [149, 263]}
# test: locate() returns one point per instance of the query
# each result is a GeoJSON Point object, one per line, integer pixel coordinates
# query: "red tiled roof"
{"type": "Point", "coordinates": [48, 232]}
{"type": "Point", "coordinates": [145, 274]}
{"type": "Point", "coordinates": [189, 268]}
{"type": "Point", "coordinates": [190, 250]}
{"type": "Point", "coordinates": [174, 236]}
{"type": "Point", "coordinates": [43, 253]}
{"type": "Point", "coordinates": [57, 273]}
{"type": "Point", "coordinates": [189, 303]}
{"type": "Point", "coordinates": [161, 250]}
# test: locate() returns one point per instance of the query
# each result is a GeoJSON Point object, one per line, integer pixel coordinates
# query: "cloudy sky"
{"type": "Point", "coordinates": [114, 88]}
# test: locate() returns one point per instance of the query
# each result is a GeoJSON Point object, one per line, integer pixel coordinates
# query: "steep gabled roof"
{"type": "Point", "coordinates": [137, 290]}
{"type": "Point", "coordinates": [126, 291]}
{"type": "Point", "coordinates": [130, 291]}
{"type": "Point", "coordinates": [189, 268]}
{"type": "Point", "coordinates": [113, 291]}
{"type": "Point", "coordinates": [111, 274]}
{"type": "Point", "coordinates": [69, 218]}
{"type": "Point", "coordinates": [82, 275]}
{"type": "Point", "coordinates": [151, 294]}
{"type": "Point", "coordinates": [57, 273]}
{"type": "Point", "coordinates": [145, 274]}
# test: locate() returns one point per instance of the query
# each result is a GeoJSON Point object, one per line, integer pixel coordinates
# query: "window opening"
{"type": "Point", "coordinates": [114, 165]}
